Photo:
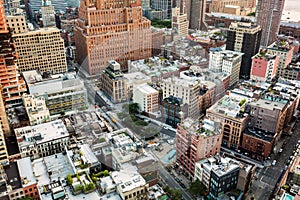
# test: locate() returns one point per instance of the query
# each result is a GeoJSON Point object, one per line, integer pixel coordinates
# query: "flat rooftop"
{"type": "Point", "coordinates": [208, 127]}
{"type": "Point", "coordinates": [260, 134]}
{"type": "Point", "coordinates": [269, 103]}
{"type": "Point", "coordinates": [41, 133]}
{"type": "Point", "coordinates": [26, 172]}
{"type": "Point", "coordinates": [128, 180]}
{"type": "Point", "coordinates": [13, 177]}
{"type": "Point", "coordinates": [230, 105]}
{"type": "Point", "coordinates": [146, 89]}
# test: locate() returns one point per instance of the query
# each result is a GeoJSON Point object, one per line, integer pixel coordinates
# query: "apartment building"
{"type": "Point", "coordinates": [229, 111]}
{"type": "Point", "coordinates": [187, 90]}
{"type": "Point", "coordinates": [258, 142]}
{"type": "Point", "coordinates": [284, 50]}
{"type": "Point", "coordinates": [264, 66]}
{"type": "Point", "coordinates": [180, 23]}
{"type": "Point", "coordinates": [33, 54]}
{"type": "Point", "coordinates": [292, 72]}
{"type": "Point", "coordinates": [3, 151]}
{"type": "Point", "coordinates": [196, 141]}
{"type": "Point", "coordinates": [13, 86]}
{"type": "Point", "coordinates": [227, 62]}
{"type": "Point", "coordinates": [268, 15]}
{"type": "Point", "coordinates": [11, 6]}
{"type": "Point", "coordinates": [113, 30]}
{"type": "Point", "coordinates": [207, 95]}
{"type": "Point", "coordinates": [17, 23]}
{"type": "Point", "coordinates": [42, 140]}
{"type": "Point", "coordinates": [114, 84]}
{"type": "Point", "coordinates": [48, 15]}
{"type": "Point", "coordinates": [244, 37]}
{"type": "Point", "coordinates": [65, 93]}
{"type": "Point", "coordinates": [146, 97]}
{"type": "Point", "coordinates": [3, 117]}
{"type": "Point", "coordinates": [218, 174]}
{"type": "Point", "coordinates": [130, 185]}
{"type": "Point", "coordinates": [36, 109]}
{"type": "Point", "coordinates": [268, 114]}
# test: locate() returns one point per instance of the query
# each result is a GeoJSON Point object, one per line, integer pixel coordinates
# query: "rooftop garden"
{"type": "Point", "coordinates": [157, 23]}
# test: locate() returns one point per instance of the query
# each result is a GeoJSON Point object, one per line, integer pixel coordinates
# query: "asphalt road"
{"type": "Point", "coordinates": [267, 177]}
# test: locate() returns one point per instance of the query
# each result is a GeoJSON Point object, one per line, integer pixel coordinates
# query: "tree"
{"type": "Point", "coordinates": [197, 188]}
{"type": "Point", "coordinates": [69, 179]}
{"type": "Point", "coordinates": [174, 194]}
{"type": "Point", "coordinates": [26, 198]}
{"type": "Point", "coordinates": [134, 108]}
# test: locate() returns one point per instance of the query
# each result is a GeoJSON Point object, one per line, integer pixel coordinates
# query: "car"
{"type": "Point", "coordinates": [274, 162]}
{"type": "Point", "coordinates": [177, 179]}
{"type": "Point", "coordinates": [280, 150]}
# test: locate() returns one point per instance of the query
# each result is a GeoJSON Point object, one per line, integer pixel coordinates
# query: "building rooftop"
{"type": "Point", "coordinates": [26, 172]}
{"type": "Point", "coordinates": [230, 105]}
{"type": "Point", "coordinates": [128, 180]}
{"type": "Point", "coordinates": [54, 83]}
{"type": "Point", "coordinates": [41, 133]}
{"type": "Point", "coordinates": [180, 82]}
{"type": "Point", "coordinates": [13, 177]}
{"type": "Point", "coordinates": [259, 133]}
{"type": "Point", "coordinates": [270, 103]}
{"type": "Point", "coordinates": [220, 165]}
{"type": "Point", "coordinates": [146, 89]}
{"type": "Point", "coordinates": [231, 16]}
{"type": "Point", "coordinates": [137, 77]}
{"type": "Point", "coordinates": [207, 128]}
{"type": "Point", "coordinates": [113, 70]}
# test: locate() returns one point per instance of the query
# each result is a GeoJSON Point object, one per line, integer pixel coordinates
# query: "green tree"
{"type": "Point", "coordinates": [26, 198]}
{"type": "Point", "coordinates": [174, 194]}
{"type": "Point", "coordinates": [197, 188]}
{"type": "Point", "coordinates": [69, 179]}
{"type": "Point", "coordinates": [105, 173]}
{"type": "Point", "coordinates": [134, 108]}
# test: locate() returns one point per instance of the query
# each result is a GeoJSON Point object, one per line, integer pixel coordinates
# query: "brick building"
{"type": "Point", "coordinates": [111, 30]}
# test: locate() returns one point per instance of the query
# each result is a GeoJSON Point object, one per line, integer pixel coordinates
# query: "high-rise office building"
{"type": "Point", "coordinates": [48, 14]}
{"type": "Point", "coordinates": [111, 30]}
{"type": "Point", "coordinates": [244, 37]}
{"type": "Point", "coordinates": [42, 50]}
{"type": "Point", "coordinates": [11, 6]}
{"type": "Point", "coordinates": [195, 10]}
{"type": "Point", "coordinates": [12, 85]}
{"type": "Point", "coordinates": [268, 17]}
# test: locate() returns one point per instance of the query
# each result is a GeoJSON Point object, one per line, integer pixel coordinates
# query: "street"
{"type": "Point", "coordinates": [268, 177]}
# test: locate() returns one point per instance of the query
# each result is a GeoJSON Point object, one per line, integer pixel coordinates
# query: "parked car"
{"type": "Point", "coordinates": [274, 162]}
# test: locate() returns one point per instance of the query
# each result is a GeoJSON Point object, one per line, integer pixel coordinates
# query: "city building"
{"type": "Point", "coordinates": [164, 6]}
{"type": "Point", "coordinates": [135, 79]}
{"type": "Point", "coordinates": [42, 140]}
{"type": "Point", "coordinates": [11, 6]}
{"type": "Point", "coordinates": [48, 14]}
{"type": "Point", "coordinates": [3, 151]}
{"type": "Point", "coordinates": [34, 6]}
{"type": "Point", "coordinates": [244, 37]}
{"type": "Point", "coordinates": [290, 29]}
{"type": "Point", "coordinates": [146, 97]}
{"type": "Point", "coordinates": [3, 117]}
{"type": "Point", "coordinates": [292, 72]}
{"type": "Point", "coordinates": [227, 62]}
{"type": "Point", "coordinates": [196, 141]}
{"type": "Point", "coordinates": [105, 36]}
{"type": "Point", "coordinates": [13, 86]}
{"type": "Point", "coordinates": [284, 49]}
{"type": "Point", "coordinates": [207, 95]}
{"type": "Point", "coordinates": [130, 185]}
{"type": "Point", "coordinates": [173, 110]}
{"type": "Point", "coordinates": [114, 84]}
{"type": "Point", "coordinates": [264, 66]}
{"type": "Point", "coordinates": [17, 23]}
{"type": "Point", "coordinates": [34, 56]}
{"type": "Point", "coordinates": [180, 23]}
{"type": "Point", "coordinates": [195, 11]}
{"type": "Point", "coordinates": [268, 114]}
{"type": "Point", "coordinates": [222, 174]}
{"type": "Point", "coordinates": [65, 93]}
{"type": "Point", "coordinates": [268, 14]}
{"type": "Point", "coordinates": [258, 142]}
{"type": "Point", "coordinates": [36, 109]}
{"type": "Point", "coordinates": [229, 111]}
{"type": "Point", "coordinates": [186, 90]}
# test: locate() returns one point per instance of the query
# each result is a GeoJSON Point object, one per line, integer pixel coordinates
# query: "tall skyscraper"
{"type": "Point", "coordinates": [244, 37]}
{"type": "Point", "coordinates": [268, 17]}
{"type": "Point", "coordinates": [111, 30]}
{"type": "Point", "coordinates": [12, 85]}
{"type": "Point", "coordinates": [195, 10]}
